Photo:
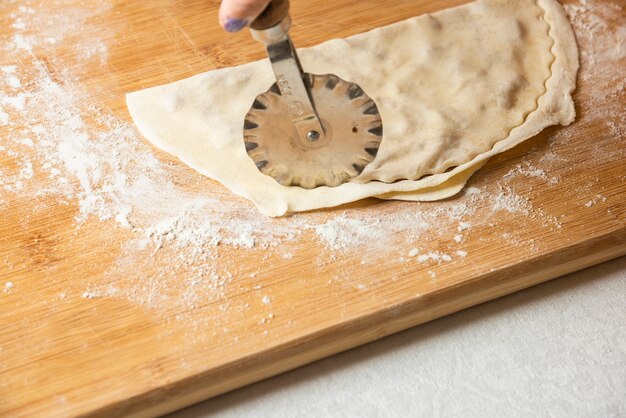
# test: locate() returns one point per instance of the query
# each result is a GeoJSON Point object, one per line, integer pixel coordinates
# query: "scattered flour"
{"type": "Point", "coordinates": [342, 232]}
{"type": "Point", "coordinates": [14, 82]}
{"type": "Point", "coordinates": [603, 58]}
{"type": "Point", "coordinates": [528, 170]}
{"type": "Point", "coordinates": [19, 24]}
{"type": "Point", "coordinates": [434, 256]}
{"type": "Point", "coordinates": [66, 150]}
{"type": "Point", "coordinates": [8, 69]}
{"type": "Point", "coordinates": [463, 226]}
{"type": "Point", "coordinates": [597, 198]}
{"type": "Point", "coordinates": [509, 201]}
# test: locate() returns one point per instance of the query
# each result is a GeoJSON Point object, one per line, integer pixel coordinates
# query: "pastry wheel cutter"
{"type": "Point", "coordinates": [307, 130]}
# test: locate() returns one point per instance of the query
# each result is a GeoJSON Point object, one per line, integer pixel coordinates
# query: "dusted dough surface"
{"type": "Point", "coordinates": [453, 89]}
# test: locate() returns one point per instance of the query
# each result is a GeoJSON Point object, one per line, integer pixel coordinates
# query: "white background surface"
{"type": "Point", "coordinates": [558, 349]}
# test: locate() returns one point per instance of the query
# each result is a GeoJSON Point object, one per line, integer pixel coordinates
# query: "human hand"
{"type": "Point", "coordinates": [235, 15]}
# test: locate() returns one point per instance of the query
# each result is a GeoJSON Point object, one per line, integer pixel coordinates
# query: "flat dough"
{"type": "Point", "coordinates": [453, 89]}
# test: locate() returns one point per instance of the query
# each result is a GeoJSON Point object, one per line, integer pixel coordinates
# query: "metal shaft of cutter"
{"type": "Point", "coordinates": [290, 80]}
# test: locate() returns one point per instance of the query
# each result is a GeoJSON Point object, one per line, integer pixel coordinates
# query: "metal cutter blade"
{"type": "Point", "coordinates": [353, 132]}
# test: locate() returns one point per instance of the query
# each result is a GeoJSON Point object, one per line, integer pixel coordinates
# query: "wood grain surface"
{"type": "Point", "coordinates": [89, 327]}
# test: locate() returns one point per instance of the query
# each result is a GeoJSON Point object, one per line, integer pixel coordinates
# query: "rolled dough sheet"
{"type": "Point", "coordinates": [453, 88]}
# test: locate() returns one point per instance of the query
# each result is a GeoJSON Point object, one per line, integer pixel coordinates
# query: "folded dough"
{"type": "Point", "coordinates": [453, 88]}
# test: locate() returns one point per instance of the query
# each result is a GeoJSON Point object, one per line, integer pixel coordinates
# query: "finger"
{"type": "Point", "coordinates": [237, 14]}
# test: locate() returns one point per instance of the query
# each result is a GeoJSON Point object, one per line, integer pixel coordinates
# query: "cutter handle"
{"type": "Point", "coordinates": [273, 14]}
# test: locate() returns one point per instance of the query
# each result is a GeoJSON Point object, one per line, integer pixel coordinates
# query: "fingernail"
{"type": "Point", "coordinates": [235, 25]}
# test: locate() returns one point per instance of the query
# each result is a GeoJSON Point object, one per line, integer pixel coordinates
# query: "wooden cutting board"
{"type": "Point", "coordinates": [131, 285]}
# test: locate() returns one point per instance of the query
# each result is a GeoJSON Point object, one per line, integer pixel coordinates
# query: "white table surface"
{"type": "Point", "coordinates": [557, 349]}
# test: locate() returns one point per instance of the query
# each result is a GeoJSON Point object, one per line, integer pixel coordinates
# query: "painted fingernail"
{"type": "Point", "coordinates": [235, 25]}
